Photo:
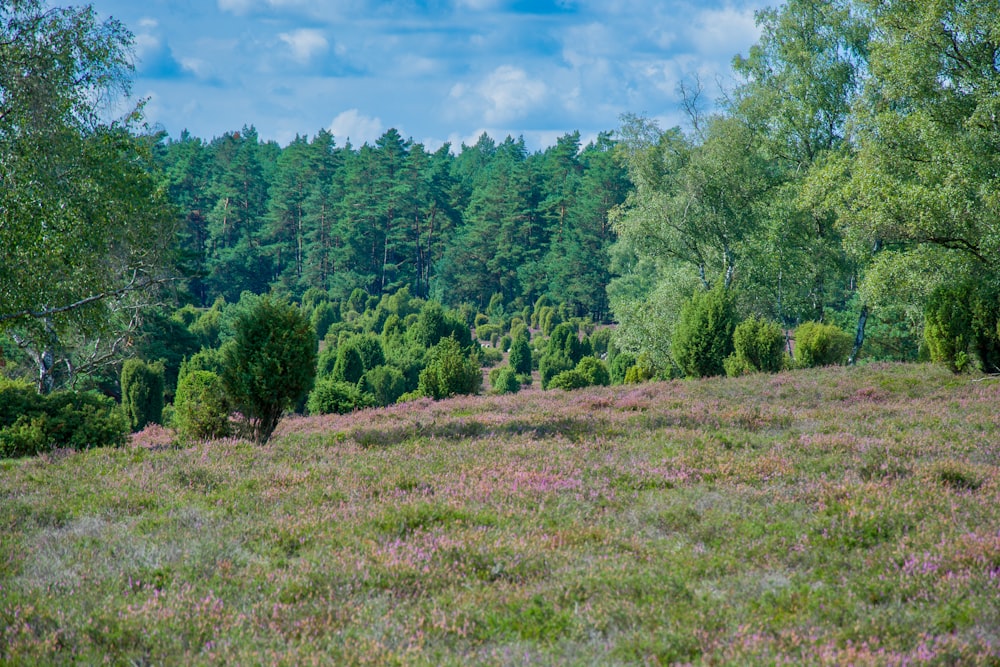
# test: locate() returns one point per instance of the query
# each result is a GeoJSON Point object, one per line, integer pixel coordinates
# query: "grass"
{"type": "Point", "coordinates": [841, 516]}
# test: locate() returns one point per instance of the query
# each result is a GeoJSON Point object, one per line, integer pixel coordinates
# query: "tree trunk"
{"type": "Point", "coordinates": [859, 336]}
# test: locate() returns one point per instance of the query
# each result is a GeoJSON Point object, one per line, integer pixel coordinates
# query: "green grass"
{"type": "Point", "coordinates": [840, 516]}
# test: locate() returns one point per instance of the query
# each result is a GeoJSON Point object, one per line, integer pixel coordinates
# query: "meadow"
{"type": "Point", "coordinates": [835, 516]}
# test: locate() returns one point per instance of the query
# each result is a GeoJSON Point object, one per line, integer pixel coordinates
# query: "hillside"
{"type": "Point", "coordinates": [822, 517]}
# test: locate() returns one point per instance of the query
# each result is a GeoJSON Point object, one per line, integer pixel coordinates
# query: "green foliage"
{"type": "Point", "coordinates": [568, 380]}
{"type": "Point", "coordinates": [485, 332]}
{"type": "Point", "coordinates": [349, 366]}
{"type": "Point", "coordinates": [270, 363]}
{"type": "Point", "coordinates": [384, 383]}
{"type": "Point", "coordinates": [759, 346]}
{"type": "Point", "coordinates": [31, 423]}
{"type": "Point", "coordinates": [520, 356]}
{"type": "Point", "coordinates": [503, 380]}
{"type": "Point", "coordinates": [594, 371]}
{"type": "Point", "coordinates": [331, 396]}
{"type": "Point", "coordinates": [637, 375]}
{"type": "Point", "coordinates": [818, 344]}
{"type": "Point", "coordinates": [201, 408]}
{"type": "Point", "coordinates": [434, 324]}
{"type": "Point", "coordinates": [948, 329]}
{"type": "Point", "coordinates": [704, 334]}
{"type": "Point", "coordinates": [565, 341]}
{"type": "Point", "coordinates": [142, 393]}
{"type": "Point", "coordinates": [620, 365]}
{"type": "Point", "coordinates": [323, 315]}
{"type": "Point", "coordinates": [600, 340]}
{"type": "Point", "coordinates": [962, 325]}
{"type": "Point", "coordinates": [551, 365]}
{"type": "Point", "coordinates": [489, 356]}
{"type": "Point", "coordinates": [449, 372]}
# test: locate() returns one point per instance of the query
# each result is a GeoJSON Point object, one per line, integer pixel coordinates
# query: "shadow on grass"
{"type": "Point", "coordinates": [574, 429]}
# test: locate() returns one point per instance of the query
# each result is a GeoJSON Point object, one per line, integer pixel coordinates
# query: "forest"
{"type": "Point", "coordinates": [839, 203]}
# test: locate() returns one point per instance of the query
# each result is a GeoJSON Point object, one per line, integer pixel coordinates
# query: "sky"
{"type": "Point", "coordinates": [436, 70]}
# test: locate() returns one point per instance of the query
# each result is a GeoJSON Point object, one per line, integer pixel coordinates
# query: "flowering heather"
{"type": "Point", "coordinates": [828, 517]}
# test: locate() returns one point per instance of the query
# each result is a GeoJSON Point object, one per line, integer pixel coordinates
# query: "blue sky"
{"type": "Point", "coordinates": [437, 70]}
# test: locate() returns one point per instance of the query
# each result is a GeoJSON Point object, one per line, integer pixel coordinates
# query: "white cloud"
{"type": "Point", "coordinates": [305, 43]}
{"type": "Point", "coordinates": [724, 32]}
{"type": "Point", "coordinates": [506, 94]}
{"type": "Point", "coordinates": [351, 124]}
{"type": "Point", "coordinates": [148, 23]}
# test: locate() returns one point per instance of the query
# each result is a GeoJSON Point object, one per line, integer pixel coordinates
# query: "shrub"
{"type": "Point", "coordinates": [324, 315]}
{"type": "Point", "coordinates": [503, 380]}
{"type": "Point", "coordinates": [595, 371]}
{"type": "Point", "coordinates": [520, 356]}
{"type": "Point", "coordinates": [349, 367]}
{"type": "Point", "coordinates": [961, 322]}
{"type": "Point", "coordinates": [551, 365]}
{"type": "Point", "coordinates": [142, 393]}
{"type": "Point", "coordinates": [486, 332]}
{"type": "Point", "coordinates": [481, 319]}
{"type": "Point", "coordinates": [490, 356]}
{"type": "Point", "coordinates": [505, 343]}
{"type": "Point", "coordinates": [565, 341]}
{"type": "Point", "coordinates": [449, 372]}
{"type": "Point", "coordinates": [269, 364]}
{"type": "Point", "coordinates": [759, 345]}
{"type": "Point", "coordinates": [384, 383]}
{"type": "Point", "coordinates": [334, 397]}
{"type": "Point", "coordinates": [568, 380]}
{"type": "Point", "coordinates": [637, 375]}
{"type": "Point", "coordinates": [201, 409]}
{"type": "Point", "coordinates": [703, 337]}
{"type": "Point", "coordinates": [600, 340]}
{"type": "Point", "coordinates": [818, 344]}
{"type": "Point", "coordinates": [620, 365]}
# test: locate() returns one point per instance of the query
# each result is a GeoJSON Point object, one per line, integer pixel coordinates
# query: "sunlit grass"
{"type": "Point", "coordinates": [845, 516]}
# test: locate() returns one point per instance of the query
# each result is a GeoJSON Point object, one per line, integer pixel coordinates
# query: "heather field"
{"type": "Point", "coordinates": [843, 516]}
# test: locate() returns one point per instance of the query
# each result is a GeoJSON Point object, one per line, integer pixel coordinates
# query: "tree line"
{"type": "Point", "coordinates": [458, 227]}
{"type": "Point", "coordinates": [850, 177]}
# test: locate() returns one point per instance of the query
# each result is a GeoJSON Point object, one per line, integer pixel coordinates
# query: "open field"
{"type": "Point", "coordinates": [842, 516]}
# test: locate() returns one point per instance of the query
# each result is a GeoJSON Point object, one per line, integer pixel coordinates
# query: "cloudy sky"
{"type": "Point", "coordinates": [437, 70]}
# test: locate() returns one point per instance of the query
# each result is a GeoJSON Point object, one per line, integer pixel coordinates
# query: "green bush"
{"type": "Point", "coordinates": [27, 436]}
{"type": "Point", "coordinates": [551, 365]}
{"type": "Point", "coordinates": [600, 341]}
{"type": "Point", "coordinates": [818, 344]}
{"type": "Point", "coordinates": [490, 356]}
{"type": "Point", "coordinates": [759, 346]}
{"type": "Point", "coordinates": [449, 372]}
{"type": "Point", "coordinates": [270, 363]}
{"type": "Point", "coordinates": [485, 332]}
{"type": "Point", "coordinates": [565, 341]}
{"type": "Point", "coordinates": [331, 396]}
{"type": "Point", "coordinates": [520, 356]}
{"type": "Point", "coordinates": [620, 365]}
{"type": "Point", "coordinates": [637, 374]}
{"type": "Point", "coordinates": [349, 367]}
{"type": "Point", "coordinates": [384, 383]}
{"type": "Point", "coordinates": [324, 315]}
{"type": "Point", "coordinates": [201, 409]}
{"type": "Point", "coordinates": [503, 380]}
{"type": "Point", "coordinates": [569, 380]}
{"type": "Point", "coordinates": [595, 371]}
{"type": "Point", "coordinates": [142, 393]}
{"type": "Point", "coordinates": [505, 343]}
{"type": "Point", "coordinates": [962, 326]}
{"type": "Point", "coordinates": [31, 423]}
{"type": "Point", "coordinates": [703, 337]}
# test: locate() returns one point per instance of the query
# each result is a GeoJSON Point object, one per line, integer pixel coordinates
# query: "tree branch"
{"type": "Point", "coordinates": [133, 285]}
